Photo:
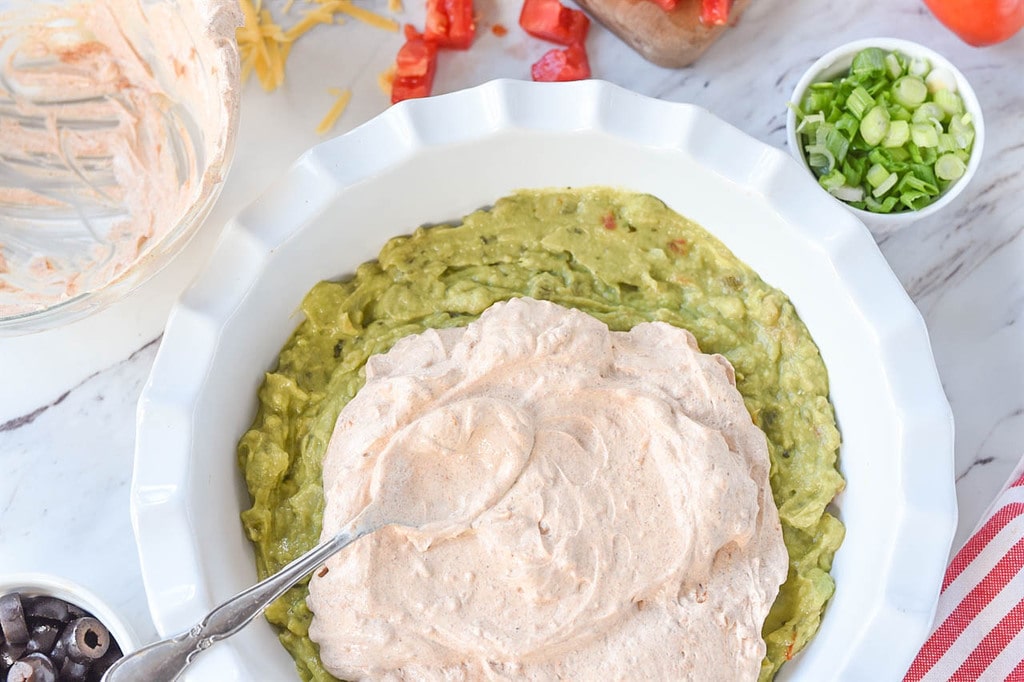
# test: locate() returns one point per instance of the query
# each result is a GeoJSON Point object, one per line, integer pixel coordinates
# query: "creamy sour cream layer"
{"type": "Point", "coordinates": [618, 524]}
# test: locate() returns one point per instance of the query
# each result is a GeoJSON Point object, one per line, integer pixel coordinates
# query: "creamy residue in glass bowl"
{"type": "Point", "coordinates": [116, 124]}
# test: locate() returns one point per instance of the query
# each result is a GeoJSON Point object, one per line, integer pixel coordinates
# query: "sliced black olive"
{"type": "Point", "coordinates": [85, 640]}
{"type": "Point", "coordinates": [12, 619]}
{"type": "Point", "coordinates": [20, 672]}
{"type": "Point", "coordinates": [46, 608]}
{"type": "Point", "coordinates": [103, 665]}
{"type": "Point", "coordinates": [42, 638]}
{"type": "Point", "coordinates": [73, 672]}
{"type": "Point", "coordinates": [58, 654]}
{"type": "Point", "coordinates": [32, 668]}
{"type": "Point", "coordinates": [9, 653]}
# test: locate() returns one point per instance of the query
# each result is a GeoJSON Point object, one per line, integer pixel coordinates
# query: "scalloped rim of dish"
{"type": "Point", "coordinates": [915, 528]}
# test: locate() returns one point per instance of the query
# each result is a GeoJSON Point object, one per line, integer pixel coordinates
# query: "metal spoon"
{"type": "Point", "coordinates": [399, 497]}
{"type": "Point", "coordinates": [167, 659]}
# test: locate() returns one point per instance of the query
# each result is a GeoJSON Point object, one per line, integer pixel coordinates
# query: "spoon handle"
{"type": "Point", "coordinates": [165, 660]}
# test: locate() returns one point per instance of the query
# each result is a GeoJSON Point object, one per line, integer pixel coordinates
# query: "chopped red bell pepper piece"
{"type": "Point", "coordinates": [714, 12]}
{"type": "Point", "coordinates": [450, 23]}
{"type": "Point", "coordinates": [414, 67]}
{"type": "Point", "coordinates": [409, 88]}
{"type": "Point", "coordinates": [553, 21]}
{"type": "Point", "coordinates": [570, 64]}
{"type": "Point", "coordinates": [667, 5]}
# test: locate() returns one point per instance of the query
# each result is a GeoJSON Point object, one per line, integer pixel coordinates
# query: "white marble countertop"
{"type": "Point", "coordinates": [67, 407]}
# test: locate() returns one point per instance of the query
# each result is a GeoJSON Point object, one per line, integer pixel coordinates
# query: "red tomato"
{"type": "Point", "coordinates": [569, 64]}
{"type": "Point", "coordinates": [414, 67]}
{"type": "Point", "coordinates": [980, 22]}
{"type": "Point", "coordinates": [714, 12]}
{"type": "Point", "coordinates": [450, 23]}
{"type": "Point", "coordinates": [667, 5]}
{"type": "Point", "coordinates": [553, 21]}
{"type": "Point", "coordinates": [409, 88]}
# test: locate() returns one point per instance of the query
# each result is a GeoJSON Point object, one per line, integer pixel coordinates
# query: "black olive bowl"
{"type": "Point", "coordinates": [71, 603]}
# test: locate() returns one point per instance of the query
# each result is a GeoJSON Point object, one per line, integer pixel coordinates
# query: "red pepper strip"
{"type": "Point", "coordinates": [569, 64]}
{"type": "Point", "coordinates": [414, 67]}
{"type": "Point", "coordinates": [450, 23]}
{"type": "Point", "coordinates": [553, 21]}
{"type": "Point", "coordinates": [714, 12]}
{"type": "Point", "coordinates": [667, 5]}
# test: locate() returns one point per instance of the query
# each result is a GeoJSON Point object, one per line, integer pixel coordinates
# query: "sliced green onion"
{"type": "Point", "coordinates": [899, 133]}
{"type": "Point", "coordinates": [832, 180]}
{"type": "Point", "coordinates": [876, 175]}
{"type": "Point", "coordinates": [947, 143]}
{"type": "Point", "coordinates": [875, 125]}
{"type": "Point", "coordinates": [820, 158]}
{"type": "Point", "coordinates": [848, 193]}
{"type": "Point", "coordinates": [836, 143]}
{"type": "Point", "coordinates": [816, 100]}
{"type": "Point", "coordinates": [919, 66]}
{"type": "Point", "coordinates": [887, 136]}
{"type": "Point", "coordinates": [810, 120]}
{"type": "Point", "coordinates": [847, 124]}
{"type": "Point", "coordinates": [927, 112]}
{"type": "Point", "coordinates": [950, 102]}
{"type": "Point", "coordinates": [913, 182]}
{"type": "Point", "coordinates": [853, 169]}
{"type": "Point", "coordinates": [898, 155]}
{"type": "Point", "coordinates": [869, 63]}
{"type": "Point", "coordinates": [940, 79]}
{"type": "Point", "coordinates": [894, 65]}
{"type": "Point", "coordinates": [928, 156]}
{"type": "Point", "coordinates": [962, 131]}
{"type": "Point", "coordinates": [915, 200]}
{"type": "Point", "coordinates": [950, 167]}
{"type": "Point", "coordinates": [884, 206]}
{"type": "Point", "coordinates": [910, 91]}
{"type": "Point", "coordinates": [924, 135]}
{"type": "Point", "coordinates": [886, 185]}
{"type": "Point", "coordinates": [900, 113]}
{"type": "Point", "coordinates": [859, 102]}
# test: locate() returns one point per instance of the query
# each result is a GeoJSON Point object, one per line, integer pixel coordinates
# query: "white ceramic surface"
{"type": "Point", "coordinates": [836, 62]}
{"type": "Point", "coordinates": [39, 584]}
{"type": "Point", "coordinates": [437, 159]}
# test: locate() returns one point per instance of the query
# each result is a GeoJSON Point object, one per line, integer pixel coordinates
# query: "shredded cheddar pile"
{"type": "Point", "coordinates": [264, 44]}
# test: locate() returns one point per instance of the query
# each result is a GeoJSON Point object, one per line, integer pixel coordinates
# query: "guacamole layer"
{"type": "Point", "coordinates": [622, 257]}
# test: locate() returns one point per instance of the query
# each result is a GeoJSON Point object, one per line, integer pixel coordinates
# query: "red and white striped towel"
{"type": "Point", "coordinates": [979, 625]}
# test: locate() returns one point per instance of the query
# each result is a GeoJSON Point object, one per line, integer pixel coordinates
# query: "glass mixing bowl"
{"type": "Point", "coordinates": [117, 126]}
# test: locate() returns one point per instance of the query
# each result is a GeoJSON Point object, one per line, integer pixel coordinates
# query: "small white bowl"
{"type": "Point", "coordinates": [42, 584]}
{"type": "Point", "coordinates": [837, 62]}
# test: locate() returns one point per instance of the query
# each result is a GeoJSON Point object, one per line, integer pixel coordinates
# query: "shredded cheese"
{"type": "Point", "coordinates": [395, 6]}
{"type": "Point", "coordinates": [264, 45]}
{"type": "Point", "coordinates": [336, 110]}
{"type": "Point", "coordinates": [360, 13]}
{"type": "Point", "coordinates": [386, 80]}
